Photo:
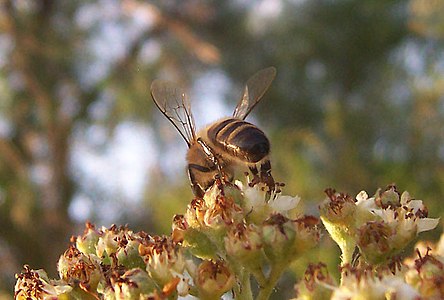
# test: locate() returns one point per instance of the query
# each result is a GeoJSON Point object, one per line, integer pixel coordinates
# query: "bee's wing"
{"type": "Point", "coordinates": [255, 88]}
{"type": "Point", "coordinates": [173, 102]}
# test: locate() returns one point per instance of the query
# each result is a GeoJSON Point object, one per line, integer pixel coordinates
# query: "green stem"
{"type": "Point", "coordinates": [347, 249]}
{"type": "Point", "coordinates": [259, 276]}
{"type": "Point", "coordinates": [245, 292]}
{"type": "Point", "coordinates": [275, 274]}
{"type": "Point", "coordinates": [242, 290]}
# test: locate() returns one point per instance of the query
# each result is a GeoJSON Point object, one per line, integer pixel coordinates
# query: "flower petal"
{"type": "Point", "coordinates": [426, 224]}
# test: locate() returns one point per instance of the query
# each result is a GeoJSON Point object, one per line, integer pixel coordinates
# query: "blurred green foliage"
{"type": "Point", "coordinates": [357, 104]}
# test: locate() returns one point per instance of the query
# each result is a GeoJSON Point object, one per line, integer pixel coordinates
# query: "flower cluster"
{"type": "Point", "coordinates": [418, 277]}
{"type": "Point", "coordinates": [257, 234]}
{"type": "Point", "coordinates": [379, 227]}
{"type": "Point", "coordinates": [232, 234]}
{"type": "Point", "coordinates": [238, 235]}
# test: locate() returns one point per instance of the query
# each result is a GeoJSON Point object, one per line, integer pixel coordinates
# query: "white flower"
{"type": "Point", "coordinates": [164, 259]}
{"type": "Point", "coordinates": [397, 288]}
{"type": "Point", "coordinates": [363, 202]}
{"type": "Point", "coordinates": [358, 285]}
{"type": "Point", "coordinates": [256, 200]}
{"type": "Point", "coordinates": [406, 217]}
{"type": "Point", "coordinates": [283, 203]}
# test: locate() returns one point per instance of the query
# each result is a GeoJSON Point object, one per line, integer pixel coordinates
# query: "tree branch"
{"type": "Point", "coordinates": [203, 50]}
{"type": "Point", "coordinates": [11, 157]}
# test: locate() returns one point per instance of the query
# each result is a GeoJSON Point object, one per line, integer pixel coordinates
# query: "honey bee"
{"type": "Point", "coordinates": [216, 151]}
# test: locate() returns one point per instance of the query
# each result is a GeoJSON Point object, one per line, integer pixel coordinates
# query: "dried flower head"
{"type": "Point", "coordinates": [215, 210]}
{"type": "Point", "coordinates": [35, 284]}
{"type": "Point", "coordinates": [214, 279]}
{"type": "Point", "coordinates": [164, 259]}
{"type": "Point", "coordinates": [244, 243]}
{"type": "Point", "coordinates": [338, 208]}
{"type": "Point", "coordinates": [77, 268]}
{"type": "Point", "coordinates": [285, 239]}
{"type": "Point", "coordinates": [426, 274]}
{"type": "Point", "coordinates": [133, 284]}
{"type": "Point", "coordinates": [317, 283]}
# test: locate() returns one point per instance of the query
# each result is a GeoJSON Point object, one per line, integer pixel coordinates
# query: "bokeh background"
{"type": "Point", "coordinates": [357, 104]}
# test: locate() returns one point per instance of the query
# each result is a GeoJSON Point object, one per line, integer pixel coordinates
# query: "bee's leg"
{"type": "Point", "coordinates": [220, 184]}
{"type": "Point", "coordinates": [255, 172]}
{"type": "Point", "coordinates": [196, 188]}
{"type": "Point", "coordinates": [211, 156]}
{"type": "Point", "coordinates": [266, 176]}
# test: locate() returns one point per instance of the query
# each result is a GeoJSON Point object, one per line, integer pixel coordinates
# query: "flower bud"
{"type": "Point", "coordinates": [193, 239]}
{"type": "Point", "coordinates": [214, 279]}
{"type": "Point", "coordinates": [107, 243]}
{"type": "Point", "coordinates": [128, 254]}
{"type": "Point", "coordinates": [87, 243]}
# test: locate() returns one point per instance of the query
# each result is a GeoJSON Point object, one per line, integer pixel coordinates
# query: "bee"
{"type": "Point", "coordinates": [215, 152]}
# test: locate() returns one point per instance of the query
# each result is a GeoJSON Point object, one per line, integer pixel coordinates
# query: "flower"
{"type": "Point", "coordinates": [87, 243]}
{"type": "Point", "coordinates": [75, 267]}
{"type": "Point", "coordinates": [285, 239]}
{"type": "Point", "coordinates": [107, 243]}
{"type": "Point", "coordinates": [133, 284]}
{"type": "Point", "coordinates": [35, 284]}
{"type": "Point", "coordinates": [426, 274]}
{"type": "Point", "coordinates": [244, 243]}
{"type": "Point", "coordinates": [397, 220]}
{"type": "Point", "coordinates": [376, 241]}
{"type": "Point", "coordinates": [215, 211]}
{"type": "Point", "coordinates": [338, 208]}
{"type": "Point", "coordinates": [179, 228]}
{"type": "Point", "coordinates": [258, 204]}
{"type": "Point", "coordinates": [409, 215]}
{"type": "Point", "coordinates": [214, 278]}
{"type": "Point", "coordinates": [338, 214]}
{"type": "Point", "coordinates": [362, 283]}
{"type": "Point", "coordinates": [164, 258]}
{"type": "Point", "coordinates": [317, 283]}
{"type": "Point", "coordinates": [222, 211]}
{"type": "Point", "coordinates": [380, 226]}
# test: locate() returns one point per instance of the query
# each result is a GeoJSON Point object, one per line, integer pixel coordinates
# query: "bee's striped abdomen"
{"type": "Point", "coordinates": [240, 138]}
